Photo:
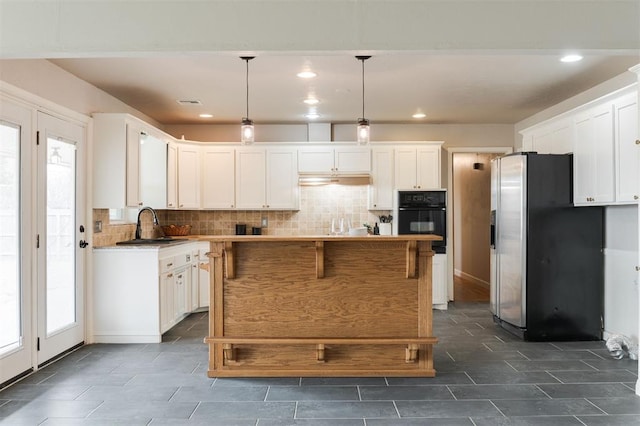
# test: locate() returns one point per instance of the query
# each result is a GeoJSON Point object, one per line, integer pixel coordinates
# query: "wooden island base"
{"type": "Point", "coordinates": [321, 306]}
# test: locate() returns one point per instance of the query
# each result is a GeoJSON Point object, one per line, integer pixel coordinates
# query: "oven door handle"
{"type": "Point", "coordinates": [427, 209]}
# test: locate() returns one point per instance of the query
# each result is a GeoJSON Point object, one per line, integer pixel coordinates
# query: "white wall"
{"type": "Point", "coordinates": [621, 278]}
{"type": "Point", "coordinates": [42, 78]}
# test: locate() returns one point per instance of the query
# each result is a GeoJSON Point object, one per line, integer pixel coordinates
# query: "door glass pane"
{"type": "Point", "coordinates": [10, 291]}
{"type": "Point", "coordinates": [61, 196]}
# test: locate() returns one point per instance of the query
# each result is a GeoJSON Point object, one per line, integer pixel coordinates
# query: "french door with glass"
{"type": "Point", "coordinates": [60, 239]}
{"type": "Point", "coordinates": [42, 211]}
{"type": "Point", "coordinates": [16, 334]}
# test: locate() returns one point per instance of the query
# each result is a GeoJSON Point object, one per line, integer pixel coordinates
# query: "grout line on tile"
{"type": "Point", "coordinates": [450, 356]}
{"type": "Point", "coordinates": [451, 392]}
{"type": "Point", "coordinates": [396, 408]}
{"type": "Point", "coordinates": [603, 412]}
{"type": "Point", "coordinates": [266, 395]}
{"type": "Point", "coordinates": [194, 410]}
{"type": "Point", "coordinates": [542, 390]}
{"type": "Point", "coordinates": [295, 411]}
{"type": "Point", "coordinates": [359, 394]}
{"type": "Point", "coordinates": [512, 367]}
{"type": "Point", "coordinates": [174, 393]}
{"type": "Point", "coordinates": [581, 422]}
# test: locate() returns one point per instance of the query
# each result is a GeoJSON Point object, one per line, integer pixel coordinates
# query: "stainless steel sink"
{"type": "Point", "coordinates": [149, 241]}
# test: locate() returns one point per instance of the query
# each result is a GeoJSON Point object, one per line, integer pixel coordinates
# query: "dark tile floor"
{"type": "Point", "coordinates": [485, 377]}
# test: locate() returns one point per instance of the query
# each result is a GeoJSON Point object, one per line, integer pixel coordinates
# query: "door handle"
{"type": "Point", "coordinates": [83, 244]}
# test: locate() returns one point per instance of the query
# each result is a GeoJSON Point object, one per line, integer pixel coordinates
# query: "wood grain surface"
{"type": "Point", "coordinates": [347, 288]}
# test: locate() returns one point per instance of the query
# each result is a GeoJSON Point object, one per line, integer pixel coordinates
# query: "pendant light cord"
{"type": "Point", "coordinates": [247, 75]}
{"type": "Point", "coordinates": [363, 88]}
{"type": "Point", "coordinates": [362, 59]}
{"type": "Point", "coordinates": [247, 59]}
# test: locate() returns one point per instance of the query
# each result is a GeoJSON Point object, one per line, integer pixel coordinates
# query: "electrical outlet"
{"type": "Point", "coordinates": [265, 222]}
{"type": "Point", "coordinates": [97, 226]}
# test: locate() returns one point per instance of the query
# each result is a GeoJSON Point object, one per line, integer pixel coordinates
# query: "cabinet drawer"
{"type": "Point", "coordinates": [167, 264]}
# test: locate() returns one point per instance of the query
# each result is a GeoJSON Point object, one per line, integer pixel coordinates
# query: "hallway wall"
{"type": "Point", "coordinates": [472, 204]}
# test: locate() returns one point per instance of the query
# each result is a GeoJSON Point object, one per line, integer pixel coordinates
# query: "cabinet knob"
{"type": "Point", "coordinates": [637, 141]}
{"type": "Point", "coordinates": [139, 203]}
{"type": "Point", "coordinates": [635, 197]}
{"type": "Point", "coordinates": [637, 268]}
{"type": "Point", "coordinates": [170, 204]}
{"type": "Point", "coordinates": [181, 205]}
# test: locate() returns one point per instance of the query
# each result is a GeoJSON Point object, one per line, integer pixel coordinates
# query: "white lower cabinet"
{"type": "Point", "coordinates": [439, 281]}
{"type": "Point", "coordinates": [205, 269]}
{"type": "Point", "coordinates": [141, 292]}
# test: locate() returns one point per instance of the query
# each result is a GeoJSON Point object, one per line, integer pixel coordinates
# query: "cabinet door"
{"type": "Point", "coordinates": [428, 165]}
{"type": "Point", "coordinates": [172, 175]}
{"type": "Point", "coordinates": [594, 157]}
{"type": "Point", "coordinates": [381, 189]}
{"type": "Point", "coordinates": [554, 138]}
{"type": "Point", "coordinates": [153, 172]}
{"type": "Point", "coordinates": [167, 284]}
{"type": "Point", "coordinates": [583, 161]}
{"type": "Point", "coordinates": [315, 160]}
{"type": "Point", "coordinates": [355, 159]}
{"type": "Point", "coordinates": [282, 179]}
{"type": "Point", "coordinates": [133, 166]}
{"type": "Point", "coordinates": [188, 177]}
{"type": "Point", "coordinates": [194, 301]}
{"type": "Point", "coordinates": [218, 178]}
{"type": "Point", "coordinates": [182, 292]}
{"type": "Point", "coordinates": [627, 150]}
{"type": "Point", "coordinates": [405, 168]}
{"type": "Point", "coordinates": [604, 155]}
{"type": "Point", "coordinates": [439, 279]}
{"type": "Point", "coordinates": [250, 179]}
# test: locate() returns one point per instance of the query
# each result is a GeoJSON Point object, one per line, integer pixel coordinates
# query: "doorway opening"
{"type": "Point", "coordinates": [469, 207]}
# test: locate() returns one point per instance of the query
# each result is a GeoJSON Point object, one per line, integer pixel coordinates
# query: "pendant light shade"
{"type": "Point", "coordinates": [246, 130]}
{"type": "Point", "coordinates": [363, 131]}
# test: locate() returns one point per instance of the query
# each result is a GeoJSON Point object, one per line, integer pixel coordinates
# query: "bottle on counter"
{"type": "Point", "coordinates": [376, 229]}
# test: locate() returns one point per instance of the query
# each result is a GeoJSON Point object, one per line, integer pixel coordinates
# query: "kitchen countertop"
{"type": "Point", "coordinates": [270, 238]}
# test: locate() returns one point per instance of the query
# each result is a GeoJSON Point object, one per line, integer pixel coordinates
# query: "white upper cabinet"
{"type": "Point", "coordinates": [282, 179]}
{"type": "Point", "coordinates": [188, 176]}
{"type": "Point", "coordinates": [251, 168]}
{"type": "Point", "coordinates": [345, 159]}
{"type": "Point", "coordinates": [417, 166]}
{"type": "Point", "coordinates": [129, 163]}
{"type": "Point", "coordinates": [627, 149]}
{"type": "Point", "coordinates": [593, 161]}
{"type": "Point", "coordinates": [172, 175]}
{"type": "Point", "coordinates": [381, 188]}
{"type": "Point", "coordinates": [266, 179]}
{"type": "Point", "coordinates": [553, 138]}
{"type": "Point", "coordinates": [218, 177]}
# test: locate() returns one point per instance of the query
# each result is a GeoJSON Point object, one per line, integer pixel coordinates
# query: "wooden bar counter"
{"type": "Point", "coordinates": [321, 306]}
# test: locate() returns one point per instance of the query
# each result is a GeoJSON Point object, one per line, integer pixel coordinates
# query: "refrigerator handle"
{"type": "Point", "coordinates": [493, 229]}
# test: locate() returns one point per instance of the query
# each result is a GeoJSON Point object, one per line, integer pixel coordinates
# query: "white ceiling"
{"type": "Point", "coordinates": [460, 88]}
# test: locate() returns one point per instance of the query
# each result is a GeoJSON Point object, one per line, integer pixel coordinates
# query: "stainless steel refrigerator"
{"type": "Point", "coordinates": [547, 264]}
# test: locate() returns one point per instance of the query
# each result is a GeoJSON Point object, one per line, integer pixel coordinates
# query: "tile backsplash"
{"type": "Point", "coordinates": [318, 206]}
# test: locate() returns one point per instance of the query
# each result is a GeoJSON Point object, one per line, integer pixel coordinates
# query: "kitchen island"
{"type": "Point", "coordinates": [321, 306]}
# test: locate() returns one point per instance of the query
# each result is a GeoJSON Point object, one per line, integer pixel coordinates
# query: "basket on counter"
{"type": "Point", "coordinates": [176, 230]}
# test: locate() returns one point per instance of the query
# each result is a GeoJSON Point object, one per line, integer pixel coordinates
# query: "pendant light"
{"type": "Point", "coordinates": [363, 123]}
{"type": "Point", "coordinates": [247, 131]}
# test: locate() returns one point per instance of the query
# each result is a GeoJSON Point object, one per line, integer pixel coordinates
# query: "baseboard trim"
{"type": "Point", "coordinates": [471, 278]}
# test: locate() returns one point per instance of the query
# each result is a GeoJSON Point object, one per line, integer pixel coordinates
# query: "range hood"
{"type": "Point", "coordinates": [316, 180]}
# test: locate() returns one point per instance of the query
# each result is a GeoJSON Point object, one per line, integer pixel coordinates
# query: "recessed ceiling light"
{"type": "Point", "coordinates": [311, 101]}
{"type": "Point", "coordinates": [306, 74]}
{"type": "Point", "coordinates": [206, 115]}
{"type": "Point", "coordinates": [571, 58]}
{"type": "Point", "coordinates": [419, 115]}
{"type": "Point", "coordinates": [312, 115]}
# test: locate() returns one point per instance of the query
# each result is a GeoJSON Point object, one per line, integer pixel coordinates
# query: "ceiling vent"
{"type": "Point", "coordinates": [187, 102]}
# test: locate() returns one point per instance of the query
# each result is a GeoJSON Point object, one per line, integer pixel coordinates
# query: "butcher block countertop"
{"type": "Point", "coordinates": [320, 306]}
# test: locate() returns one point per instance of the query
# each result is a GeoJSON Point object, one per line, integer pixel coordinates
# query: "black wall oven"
{"type": "Point", "coordinates": [424, 212]}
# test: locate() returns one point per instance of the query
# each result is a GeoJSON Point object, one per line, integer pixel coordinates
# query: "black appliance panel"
{"type": "Point", "coordinates": [423, 212]}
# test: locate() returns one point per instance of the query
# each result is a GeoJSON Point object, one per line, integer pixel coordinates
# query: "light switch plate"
{"type": "Point", "coordinates": [265, 222]}
{"type": "Point", "coordinates": [97, 226]}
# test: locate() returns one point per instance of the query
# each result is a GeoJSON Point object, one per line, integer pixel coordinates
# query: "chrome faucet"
{"type": "Point", "coordinates": [138, 225]}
